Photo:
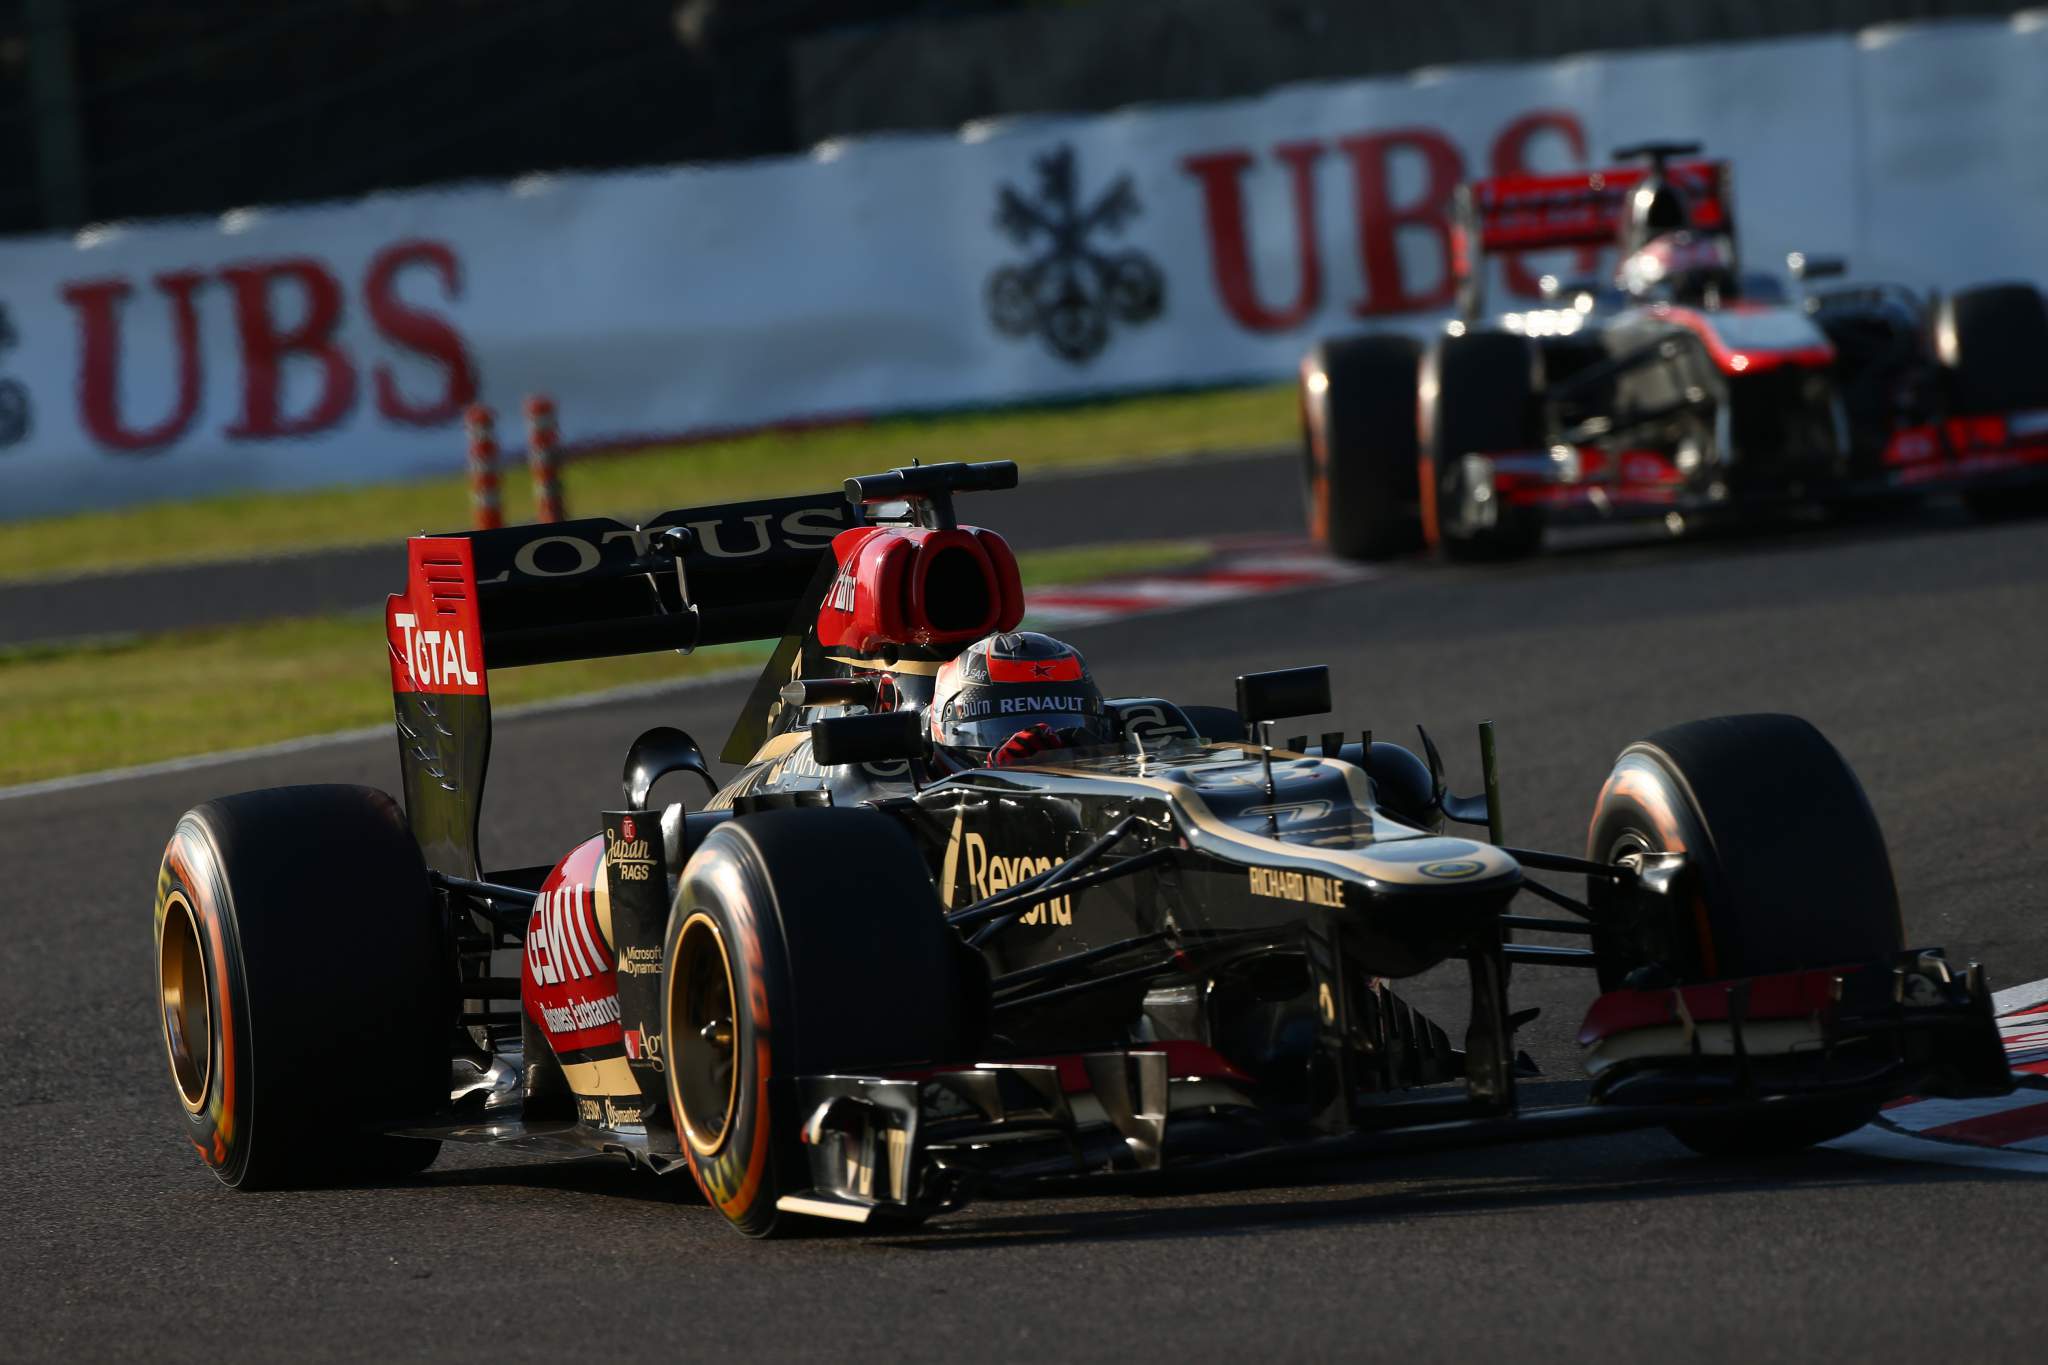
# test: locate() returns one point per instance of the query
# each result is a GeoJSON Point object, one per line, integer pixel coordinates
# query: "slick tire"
{"type": "Point", "coordinates": [1482, 392]}
{"type": "Point", "coordinates": [1792, 873]}
{"type": "Point", "coordinates": [802, 942]}
{"type": "Point", "coordinates": [1358, 446]}
{"type": "Point", "coordinates": [305, 981]}
{"type": "Point", "coordinates": [1992, 342]}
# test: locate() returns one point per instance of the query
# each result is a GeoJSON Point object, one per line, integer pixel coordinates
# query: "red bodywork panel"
{"type": "Point", "coordinates": [1966, 446]}
{"type": "Point", "coordinates": [1631, 478]}
{"type": "Point", "coordinates": [568, 982]}
{"type": "Point", "coordinates": [910, 585]}
{"type": "Point", "coordinates": [436, 637]}
{"type": "Point", "coordinates": [1584, 208]}
{"type": "Point", "coordinates": [1787, 995]}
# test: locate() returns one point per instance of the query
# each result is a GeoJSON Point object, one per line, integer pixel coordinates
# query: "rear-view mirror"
{"type": "Point", "coordinates": [1283, 692]}
{"type": "Point", "coordinates": [882, 738]}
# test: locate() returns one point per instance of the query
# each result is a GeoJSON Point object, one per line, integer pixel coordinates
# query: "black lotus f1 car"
{"type": "Point", "coordinates": [865, 981]}
{"type": "Point", "coordinates": [1684, 389]}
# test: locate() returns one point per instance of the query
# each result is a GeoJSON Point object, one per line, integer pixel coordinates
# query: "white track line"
{"type": "Point", "coordinates": [1894, 1137]}
{"type": "Point", "coordinates": [1894, 1146]}
{"type": "Point", "coordinates": [2014, 998]}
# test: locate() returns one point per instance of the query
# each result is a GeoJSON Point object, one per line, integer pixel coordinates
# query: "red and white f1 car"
{"type": "Point", "coordinates": [1681, 389]}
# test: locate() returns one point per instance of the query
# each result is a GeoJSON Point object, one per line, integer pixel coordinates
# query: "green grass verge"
{"type": "Point", "coordinates": [643, 482]}
{"type": "Point", "coordinates": [111, 703]}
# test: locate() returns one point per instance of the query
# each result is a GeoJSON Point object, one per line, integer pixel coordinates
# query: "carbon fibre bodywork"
{"type": "Point", "coordinates": [1177, 949]}
{"type": "Point", "coordinates": [1190, 937]}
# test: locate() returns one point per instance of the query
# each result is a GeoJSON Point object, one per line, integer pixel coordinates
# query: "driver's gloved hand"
{"type": "Point", "coordinates": [1026, 745]}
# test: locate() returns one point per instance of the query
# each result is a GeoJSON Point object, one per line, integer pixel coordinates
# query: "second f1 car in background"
{"type": "Point", "coordinates": [1682, 389]}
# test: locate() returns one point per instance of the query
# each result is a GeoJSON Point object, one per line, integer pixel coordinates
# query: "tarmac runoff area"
{"type": "Point", "coordinates": [1917, 647]}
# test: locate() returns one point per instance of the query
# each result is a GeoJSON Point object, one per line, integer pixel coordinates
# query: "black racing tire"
{"type": "Point", "coordinates": [306, 984]}
{"type": "Point", "coordinates": [1992, 342]}
{"type": "Point", "coordinates": [1358, 444]}
{"type": "Point", "coordinates": [823, 925]}
{"type": "Point", "coordinates": [1216, 723]}
{"type": "Point", "coordinates": [1792, 873]}
{"type": "Point", "coordinates": [1482, 392]}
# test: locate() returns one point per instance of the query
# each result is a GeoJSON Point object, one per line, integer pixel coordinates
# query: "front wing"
{"type": "Point", "coordinates": [908, 1145]}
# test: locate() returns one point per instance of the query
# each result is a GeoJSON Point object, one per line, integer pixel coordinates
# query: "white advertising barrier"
{"type": "Point", "coordinates": [1033, 259]}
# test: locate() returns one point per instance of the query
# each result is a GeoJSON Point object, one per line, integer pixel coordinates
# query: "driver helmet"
{"type": "Point", "coordinates": [1008, 682]}
{"type": "Point", "coordinates": [1686, 266]}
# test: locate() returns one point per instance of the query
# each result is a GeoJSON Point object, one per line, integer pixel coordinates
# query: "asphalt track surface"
{"type": "Point", "coordinates": [1209, 495]}
{"type": "Point", "coordinates": [1918, 648]}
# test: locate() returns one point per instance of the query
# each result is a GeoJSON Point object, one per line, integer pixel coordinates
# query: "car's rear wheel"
{"type": "Point", "coordinates": [1790, 872]}
{"type": "Point", "coordinates": [1482, 394]}
{"type": "Point", "coordinates": [1359, 450]}
{"type": "Point", "coordinates": [803, 942]}
{"type": "Point", "coordinates": [304, 981]}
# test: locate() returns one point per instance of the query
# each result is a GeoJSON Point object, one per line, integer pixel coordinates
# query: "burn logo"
{"type": "Point", "coordinates": [14, 413]}
{"type": "Point", "coordinates": [1069, 291]}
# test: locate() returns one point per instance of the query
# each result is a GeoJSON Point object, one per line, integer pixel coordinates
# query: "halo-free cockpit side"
{"type": "Point", "coordinates": [862, 978]}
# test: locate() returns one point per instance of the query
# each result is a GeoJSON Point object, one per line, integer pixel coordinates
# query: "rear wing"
{"type": "Point", "coordinates": [1513, 213]}
{"type": "Point", "coordinates": [478, 601]}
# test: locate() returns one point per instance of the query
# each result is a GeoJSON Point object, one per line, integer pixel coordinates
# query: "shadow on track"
{"type": "Point", "coordinates": [1795, 530]}
{"type": "Point", "coordinates": [1426, 1191]}
{"type": "Point", "coordinates": [1618, 1169]}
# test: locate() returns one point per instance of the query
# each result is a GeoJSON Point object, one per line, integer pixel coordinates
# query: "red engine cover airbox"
{"type": "Point", "coordinates": [911, 586]}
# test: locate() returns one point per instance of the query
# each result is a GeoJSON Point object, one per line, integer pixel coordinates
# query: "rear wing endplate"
{"type": "Point", "coordinates": [476, 601]}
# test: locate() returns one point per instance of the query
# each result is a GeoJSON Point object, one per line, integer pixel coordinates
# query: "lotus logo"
{"type": "Point", "coordinates": [1070, 291]}
{"type": "Point", "coordinates": [1452, 870]}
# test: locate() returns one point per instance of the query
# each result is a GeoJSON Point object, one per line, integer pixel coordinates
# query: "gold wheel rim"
{"type": "Point", "coordinates": [704, 1035]}
{"type": "Point", "coordinates": [187, 1001]}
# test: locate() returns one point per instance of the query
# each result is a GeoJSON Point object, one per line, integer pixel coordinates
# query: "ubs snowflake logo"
{"type": "Point", "coordinates": [1069, 290]}
{"type": "Point", "coordinates": [13, 397]}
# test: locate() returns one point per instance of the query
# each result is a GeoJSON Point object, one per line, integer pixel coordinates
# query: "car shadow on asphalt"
{"type": "Point", "coordinates": [609, 1177]}
{"type": "Point", "coordinates": [1442, 1185]}
{"type": "Point", "coordinates": [1627, 1168]}
{"type": "Point", "coordinates": [1610, 545]}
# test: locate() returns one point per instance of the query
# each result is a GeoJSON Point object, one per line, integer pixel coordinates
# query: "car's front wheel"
{"type": "Point", "coordinates": [1482, 394]}
{"type": "Point", "coordinates": [1358, 446]}
{"type": "Point", "coordinates": [803, 942]}
{"type": "Point", "coordinates": [1789, 868]}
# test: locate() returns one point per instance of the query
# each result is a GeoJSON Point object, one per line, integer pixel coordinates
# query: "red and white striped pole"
{"type": "Point", "coordinates": [485, 511]}
{"type": "Point", "coordinates": [544, 454]}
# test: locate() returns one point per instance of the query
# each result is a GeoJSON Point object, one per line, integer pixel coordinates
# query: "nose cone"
{"type": "Point", "coordinates": [1435, 861]}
